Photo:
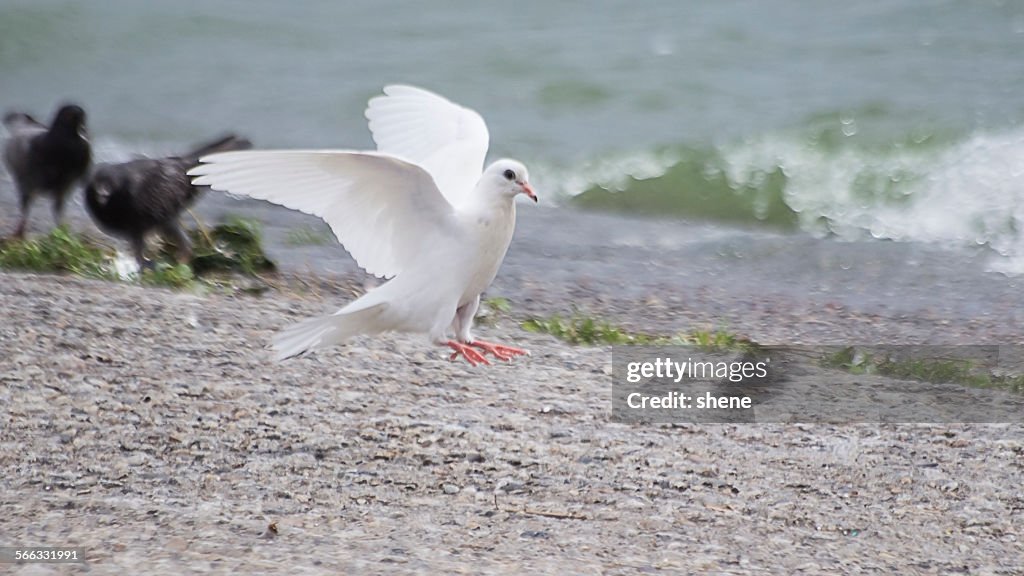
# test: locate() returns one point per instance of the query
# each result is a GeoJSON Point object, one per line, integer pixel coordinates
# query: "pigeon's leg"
{"type": "Point", "coordinates": [25, 205]}
{"type": "Point", "coordinates": [58, 208]}
{"type": "Point", "coordinates": [139, 251]}
{"type": "Point", "coordinates": [19, 230]}
{"type": "Point", "coordinates": [500, 351]}
{"type": "Point", "coordinates": [467, 352]}
{"type": "Point", "coordinates": [463, 322]}
{"type": "Point", "coordinates": [173, 233]}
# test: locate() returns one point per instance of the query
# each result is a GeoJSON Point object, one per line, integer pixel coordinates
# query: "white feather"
{"type": "Point", "coordinates": [449, 141]}
{"type": "Point", "coordinates": [324, 331]}
{"type": "Point", "coordinates": [380, 208]}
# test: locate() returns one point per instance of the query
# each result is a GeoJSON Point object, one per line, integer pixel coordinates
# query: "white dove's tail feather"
{"type": "Point", "coordinates": [325, 331]}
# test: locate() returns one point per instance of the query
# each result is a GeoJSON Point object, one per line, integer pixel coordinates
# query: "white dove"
{"type": "Point", "coordinates": [419, 210]}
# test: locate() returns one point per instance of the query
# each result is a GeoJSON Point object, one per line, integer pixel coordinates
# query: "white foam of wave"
{"type": "Point", "coordinates": [966, 194]}
{"type": "Point", "coordinates": [613, 172]}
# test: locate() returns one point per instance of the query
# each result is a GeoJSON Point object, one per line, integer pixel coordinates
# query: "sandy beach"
{"type": "Point", "coordinates": [152, 429]}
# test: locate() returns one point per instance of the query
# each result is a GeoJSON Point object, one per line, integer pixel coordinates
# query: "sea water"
{"type": "Point", "coordinates": [888, 119]}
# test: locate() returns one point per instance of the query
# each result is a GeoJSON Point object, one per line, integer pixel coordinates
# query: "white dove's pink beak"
{"type": "Point", "coordinates": [528, 190]}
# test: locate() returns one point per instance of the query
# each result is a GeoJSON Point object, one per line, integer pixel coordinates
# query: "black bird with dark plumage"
{"type": "Point", "coordinates": [133, 199]}
{"type": "Point", "coordinates": [47, 161]}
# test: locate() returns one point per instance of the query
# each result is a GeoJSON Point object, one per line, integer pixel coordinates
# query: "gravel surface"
{"type": "Point", "coordinates": [152, 429]}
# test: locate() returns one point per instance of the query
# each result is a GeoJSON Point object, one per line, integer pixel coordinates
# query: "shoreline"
{"type": "Point", "coordinates": [670, 276]}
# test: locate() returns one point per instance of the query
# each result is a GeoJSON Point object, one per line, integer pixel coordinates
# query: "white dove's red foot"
{"type": "Point", "coordinates": [467, 352]}
{"type": "Point", "coordinates": [500, 351]}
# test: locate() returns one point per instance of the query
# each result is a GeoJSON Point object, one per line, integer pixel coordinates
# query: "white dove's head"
{"type": "Point", "coordinates": [507, 178]}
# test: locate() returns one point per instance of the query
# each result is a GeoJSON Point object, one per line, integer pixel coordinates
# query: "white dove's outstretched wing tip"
{"type": "Point", "coordinates": [446, 139]}
{"type": "Point", "coordinates": [399, 88]}
{"type": "Point", "coordinates": [207, 164]}
{"type": "Point", "coordinates": [401, 95]}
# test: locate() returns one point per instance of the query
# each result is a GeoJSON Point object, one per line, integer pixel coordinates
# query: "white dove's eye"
{"type": "Point", "coordinates": [509, 175]}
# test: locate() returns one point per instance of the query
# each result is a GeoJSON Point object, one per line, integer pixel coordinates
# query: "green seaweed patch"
{"type": "Point", "coordinates": [307, 236]}
{"type": "Point", "coordinates": [718, 340]}
{"type": "Point", "coordinates": [492, 310]}
{"type": "Point", "coordinates": [963, 371]}
{"type": "Point", "coordinates": [61, 251]}
{"type": "Point", "coordinates": [171, 275]}
{"type": "Point", "coordinates": [234, 246]}
{"type": "Point", "coordinates": [582, 329]}
{"type": "Point", "coordinates": [498, 304]}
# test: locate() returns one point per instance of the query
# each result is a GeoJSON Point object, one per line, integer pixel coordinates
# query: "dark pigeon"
{"type": "Point", "coordinates": [133, 199]}
{"type": "Point", "coordinates": [47, 161]}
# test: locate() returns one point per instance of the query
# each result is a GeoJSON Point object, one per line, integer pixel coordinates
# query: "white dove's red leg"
{"type": "Point", "coordinates": [500, 351]}
{"type": "Point", "coordinates": [462, 324]}
{"type": "Point", "coordinates": [467, 352]}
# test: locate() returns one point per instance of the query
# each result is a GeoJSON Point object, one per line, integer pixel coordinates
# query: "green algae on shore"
{"type": "Point", "coordinates": [62, 251]}
{"type": "Point", "coordinates": [580, 328]}
{"type": "Point", "coordinates": [231, 248]}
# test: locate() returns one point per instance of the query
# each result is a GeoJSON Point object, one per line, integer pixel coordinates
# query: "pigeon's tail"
{"type": "Point", "coordinates": [325, 331]}
{"type": "Point", "coordinates": [225, 143]}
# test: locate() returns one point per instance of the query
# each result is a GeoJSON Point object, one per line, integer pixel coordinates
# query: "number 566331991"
{"type": "Point", "coordinates": [20, 554]}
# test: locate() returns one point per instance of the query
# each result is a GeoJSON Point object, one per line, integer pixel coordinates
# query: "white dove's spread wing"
{"type": "Point", "coordinates": [447, 140]}
{"type": "Point", "coordinates": [383, 210]}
